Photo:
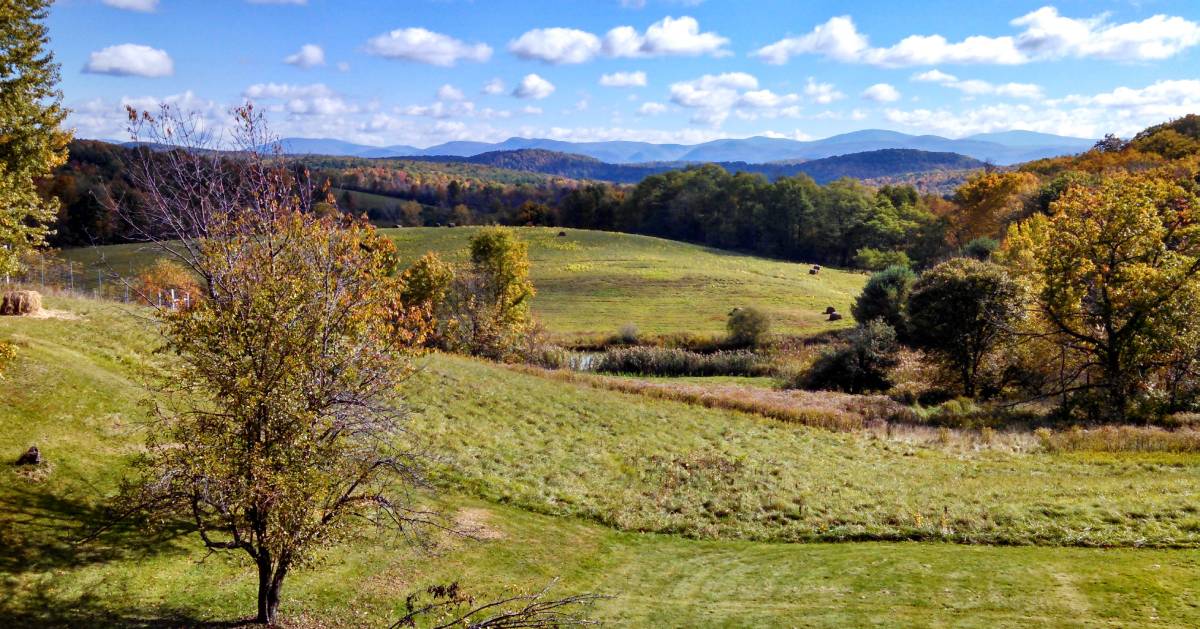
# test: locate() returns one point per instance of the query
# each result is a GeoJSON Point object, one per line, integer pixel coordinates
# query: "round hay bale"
{"type": "Point", "coordinates": [21, 302]}
{"type": "Point", "coordinates": [830, 310]}
{"type": "Point", "coordinates": [833, 316]}
{"type": "Point", "coordinates": [813, 271]}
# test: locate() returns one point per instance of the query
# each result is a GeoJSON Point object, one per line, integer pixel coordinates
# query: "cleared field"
{"type": "Point", "coordinates": [592, 282]}
{"type": "Point", "coordinates": [523, 445]}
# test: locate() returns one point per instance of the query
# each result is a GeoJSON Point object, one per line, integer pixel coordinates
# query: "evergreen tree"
{"type": "Point", "coordinates": [31, 143]}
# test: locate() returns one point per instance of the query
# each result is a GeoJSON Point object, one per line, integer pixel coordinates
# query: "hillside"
{"type": "Point", "coordinates": [564, 479]}
{"type": "Point", "coordinates": [1000, 148]}
{"type": "Point", "coordinates": [865, 165]}
{"type": "Point", "coordinates": [592, 282]}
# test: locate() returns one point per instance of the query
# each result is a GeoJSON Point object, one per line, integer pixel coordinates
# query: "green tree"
{"type": "Point", "coordinates": [958, 312]}
{"type": "Point", "coordinates": [488, 308]}
{"type": "Point", "coordinates": [31, 142]}
{"type": "Point", "coordinates": [1114, 270]}
{"type": "Point", "coordinates": [885, 297]}
{"type": "Point", "coordinates": [861, 365]}
{"type": "Point", "coordinates": [748, 327]}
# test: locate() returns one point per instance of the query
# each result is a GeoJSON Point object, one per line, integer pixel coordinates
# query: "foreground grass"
{"type": "Point", "coordinates": [74, 393]}
{"type": "Point", "coordinates": [592, 282]}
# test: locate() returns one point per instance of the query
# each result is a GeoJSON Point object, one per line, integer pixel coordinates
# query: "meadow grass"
{"type": "Point", "coordinates": [590, 283]}
{"type": "Point", "coordinates": [525, 451]}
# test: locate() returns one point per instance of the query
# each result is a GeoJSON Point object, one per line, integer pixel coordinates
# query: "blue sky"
{"type": "Point", "coordinates": [422, 72]}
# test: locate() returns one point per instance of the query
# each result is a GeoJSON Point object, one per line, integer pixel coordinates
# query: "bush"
{"type": "Point", "coordinates": [662, 361]}
{"type": "Point", "coordinates": [884, 297]}
{"type": "Point", "coordinates": [8, 352]}
{"type": "Point", "coordinates": [981, 248]}
{"type": "Point", "coordinates": [877, 260]}
{"type": "Point", "coordinates": [747, 327]}
{"type": "Point", "coordinates": [862, 364]}
{"type": "Point", "coordinates": [166, 280]}
{"type": "Point", "coordinates": [627, 335]}
{"type": "Point", "coordinates": [958, 312]}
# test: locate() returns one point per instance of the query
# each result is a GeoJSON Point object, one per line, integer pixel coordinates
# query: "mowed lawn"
{"type": "Point", "coordinates": [592, 282]}
{"type": "Point", "coordinates": [564, 484]}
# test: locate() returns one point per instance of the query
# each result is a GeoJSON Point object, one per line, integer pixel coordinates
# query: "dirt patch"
{"type": "Point", "coordinates": [474, 522]}
{"type": "Point", "coordinates": [53, 314]}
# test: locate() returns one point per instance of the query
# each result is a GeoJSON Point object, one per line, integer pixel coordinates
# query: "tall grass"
{"type": "Point", "coordinates": [1119, 439]}
{"type": "Point", "coordinates": [664, 361]}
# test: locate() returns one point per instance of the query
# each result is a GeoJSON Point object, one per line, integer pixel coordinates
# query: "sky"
{"type": "Point", "coordinates": [422, 72]}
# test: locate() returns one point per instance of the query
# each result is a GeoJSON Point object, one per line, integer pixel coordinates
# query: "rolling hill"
{"type": "Point", "coordinates": [1001, 148]}
{"type": "Point", "coordinates": [863, 165]}
{"type": "Point", "coordinates": [592, 282]}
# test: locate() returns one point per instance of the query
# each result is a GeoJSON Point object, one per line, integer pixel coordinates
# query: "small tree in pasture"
{"type": "Point", "coordinates": [281, 421]}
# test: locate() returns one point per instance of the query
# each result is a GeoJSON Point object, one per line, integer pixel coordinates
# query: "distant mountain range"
{"type": "Point", "coordinates": [861, 165]}
{"type": "Point", "coordinates": [1008, 147]}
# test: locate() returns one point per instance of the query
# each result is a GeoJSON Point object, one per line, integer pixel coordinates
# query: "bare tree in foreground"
{"type": "Point", "coordinates": [447, 607]}
{"type": "Point", "coordinates": [280, 424]}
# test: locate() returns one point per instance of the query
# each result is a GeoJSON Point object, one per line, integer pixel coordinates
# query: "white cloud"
{"type": "Point", "coordinates": [425, 46]}
{"type": "Point", "coordinates": [493, 87]}
{"type": "Point", "coordinates": [130, 60]}
{"type": "Point", "coordinates": [533, 86]}
{"type": "Point", "coordinates": [1045, 35]}
{"type": "Point", "coordinates": [881, 93]}
{"type": "Point", "coordinates": [823, 93]}
{"type": "Point", "coordinates": [713, 97]}
{"type": "Point", "coordinates": [286, 90]}
{"type": "Point", "coordinates": [448, 92]}
{"type": "Point", "coordinates": [556, 45]}
{"type": "Point", "coordinates": [668, 36]}
{"type": "Point", "coordinates": [309, 56]}
{"type": "Point", "coordinates": [977, 87]}
{"type": "Point", "coordinates": [652, 109]}
{"type": "Point", "coordinates": [144, 6]}
{"type": "Point", "coordinates": [531, 110]}
{"type": "Point", "coordinates": [624, 79]}
{"type": "Point", "coordinates": [1048, 35]}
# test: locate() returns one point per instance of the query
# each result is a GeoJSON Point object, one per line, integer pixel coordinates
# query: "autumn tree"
{"type": "Point", "coordinates": [987, 203]}
{"type": "Point", "coordinates": [281, 423]}
{"type": "Point", "coordinates": [31, 142]}
{"type": "Point", "coordinates": [1115, 272]}
{"type": "Point", "coordinates": [488, 306]}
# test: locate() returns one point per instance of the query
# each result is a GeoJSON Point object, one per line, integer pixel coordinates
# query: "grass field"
{"type": "Point", "coordinates": [568, 480]}
{"type": "Point", "coordinates": [592, 282]}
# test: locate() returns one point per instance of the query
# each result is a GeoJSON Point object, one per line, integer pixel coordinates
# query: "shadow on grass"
{"type": "Point", "coordinates": [41, 608]}
{"type": "Point", "coordinates": [43, 534]}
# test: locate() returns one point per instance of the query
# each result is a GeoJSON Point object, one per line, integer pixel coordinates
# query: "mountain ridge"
{"type": "Point", "coordinates": [1001, 148]}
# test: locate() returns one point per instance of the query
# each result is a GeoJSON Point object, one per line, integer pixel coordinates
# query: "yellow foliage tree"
{"type": "Point", "coordinates": [987, 203]}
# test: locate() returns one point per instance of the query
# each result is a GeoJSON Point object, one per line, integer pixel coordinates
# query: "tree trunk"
{"type": "Point", "coordinates": [270, 584]}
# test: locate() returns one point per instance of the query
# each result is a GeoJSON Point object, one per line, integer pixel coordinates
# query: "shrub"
{"type": "Point", "coordinates": [628, 334]}
{"type": "Point", "coordinates": [884, 297]}
{"type": "Point", "coordinates": [8, 353]}
{"type": "Point", "coordinates": [747, 327]}
{"type": "Point", "coordinates": [860, 365]}
{"type": "Point", "coordinates": [662, 361]}
{"type": "Point", "coordinates": [958, 312]}
{"type": "Point", "coordinates": [166, 280]}
{"type": "Point", "coordinates": [877, 260]}
{"type": "Point", "coordinates": [981, 248]}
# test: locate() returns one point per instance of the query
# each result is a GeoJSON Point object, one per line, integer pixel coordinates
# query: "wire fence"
{"type": "Point", "coordinates": [53, 275]}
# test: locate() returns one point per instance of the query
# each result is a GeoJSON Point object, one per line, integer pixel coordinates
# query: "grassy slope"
{"type": "Point", "coordinates": [593, 282]}
{"type": "Point", "coordinates": [73, 391]}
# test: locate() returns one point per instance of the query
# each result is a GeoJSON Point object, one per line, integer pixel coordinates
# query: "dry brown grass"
{"type": "Point", "coordinates": [821, 409]}
{"type": "Point", "coordinates": [1120, 439]}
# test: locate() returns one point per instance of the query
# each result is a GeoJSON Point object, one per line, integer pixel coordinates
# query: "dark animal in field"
{"type": "Point", "coordinates": [32, 456]}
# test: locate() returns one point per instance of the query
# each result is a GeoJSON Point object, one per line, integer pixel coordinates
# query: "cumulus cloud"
{"type": "Point", "coordinates": [533, 86]}
{"type": "Point", "coordinates": [652, 109]}
{"type": "Point", "coordinates": [556, 45]}
{"type": "Point", "coordinates": [667, 37]}
{"type": "Point", "coordinates": [881, 93]}
{"type": "Point", "coordinates": [822, 93]}
{"type": "Point", "coordinates": [493, 87]}
{"type": "Point", "coordinates": [448, 92]}
{"type": "Point", "coordinates": [425, 46]}
{"type": "Point", "coordinates": [309, 56]}
{"type": "Point", "coordinates": [130, 60]}
{"type": "Point", "coordinates": [624, 79]}
{"type": "Point", "coordinates": [143, 6]}
{"type": "Point", "coordinates": [977, 87]}
{"type": "Point", "coordinates": [1124, 111]}
{"type": "Point", "coordinates": [1045, 35]}
{"type": "Point", "coordinates": [713, 97]}
{"type": "Point", "coordinates": [306, 100]}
